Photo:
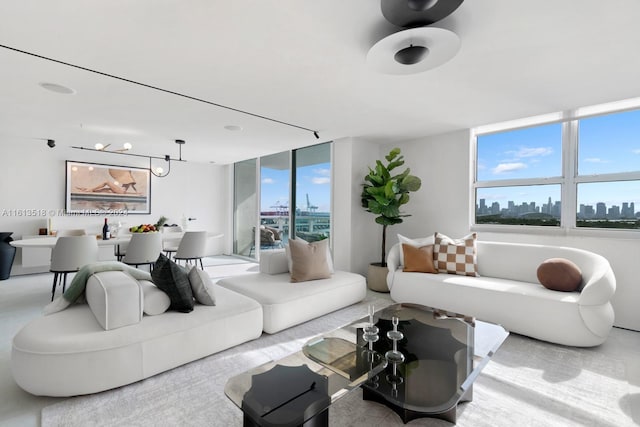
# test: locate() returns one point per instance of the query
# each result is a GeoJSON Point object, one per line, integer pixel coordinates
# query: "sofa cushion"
{"type": "Point", "coordinates": [309, 260]}
{"type": "Point", "coordinates": [559, 274]}
{"type": "Point", "coordinates": [456, 256]}
{"type": "Point", "coordinates": [422, 241]}
{"type": "Point", "coordinates": [114, 298]}
{"type": "Point", "coordinates": [155, 300]}
{"type": "Point", "coordinates": [274, 261]}
{"type": "Point", "coordinates": [174, 280]}
{"type": "Point", "coordinates": [202, 286]}
{"type": "Point", "coordinates": [419, 260]}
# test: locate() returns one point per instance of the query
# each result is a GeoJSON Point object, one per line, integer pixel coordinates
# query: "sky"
{"type": "Point", "coordinates": [314, 180]}
{"type": "Point", "coordinates": [607, 144]}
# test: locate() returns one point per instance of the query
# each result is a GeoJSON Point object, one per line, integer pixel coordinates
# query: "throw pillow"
{"type": "Point", "coordinates": [288, 253]}
{"type": "Point", "coordinates": [456, 256]}
{"type": "Point", "coordinates": [309, 260]}
{"type": "Point", "coordinates": [155, 301]}
{"type": "Point", "coordinates": [418, 260]}
{"type": "Point", "coordinates": [423, 241]}
{"type": "Point", "coordinates": [173, 279]}
{"type": "Point", "coordinates": [559, 274]}
{"type": "Point", "coordinates": [202, 286]}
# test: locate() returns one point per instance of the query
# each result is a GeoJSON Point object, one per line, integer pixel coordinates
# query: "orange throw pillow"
{"type": "Point", "coordinates": [418, 260]}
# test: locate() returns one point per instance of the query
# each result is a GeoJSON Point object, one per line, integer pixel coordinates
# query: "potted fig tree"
{"type": "Point", "coordinates": [384, 192]}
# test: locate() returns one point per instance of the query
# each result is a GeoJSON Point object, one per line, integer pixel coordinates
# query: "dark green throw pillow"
{"type": "Point", "coordinates": [174, 280]}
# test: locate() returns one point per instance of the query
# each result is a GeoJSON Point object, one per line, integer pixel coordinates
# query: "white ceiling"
{"type": "Point", "coordinates": [297, 61]}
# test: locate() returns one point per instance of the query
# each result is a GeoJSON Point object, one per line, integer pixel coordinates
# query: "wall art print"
{"type": "Point", "coordinates": [93, 188]}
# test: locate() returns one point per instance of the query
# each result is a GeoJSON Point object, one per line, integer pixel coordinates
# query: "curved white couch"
{"type": "Point", "coordinates": [508, 292]}
{"type": "Point", "coordinates": [69, 353]}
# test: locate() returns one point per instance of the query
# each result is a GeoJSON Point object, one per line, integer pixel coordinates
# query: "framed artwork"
{"type": "Point", "coordinates": [93, 188]}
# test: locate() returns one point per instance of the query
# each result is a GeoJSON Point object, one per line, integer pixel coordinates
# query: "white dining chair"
{"type": "Point", "coordinates": [71, 232]}
{"type": "Point", "coordinates": [169, 242]}
{"type": "Point", "coordinates": [192, 247]}
{"type": "Point", "coordinates": [68, 255]}
{"type": "Point", "coordinates": [143, 249]}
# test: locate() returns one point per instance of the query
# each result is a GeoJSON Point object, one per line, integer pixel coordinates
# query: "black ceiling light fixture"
{"type": "Point", "coordinates": [411, 55]}
{"type": "Point", "coordinates": [155, 171]}
{"type": "Point", "coordinates": [417, 48]}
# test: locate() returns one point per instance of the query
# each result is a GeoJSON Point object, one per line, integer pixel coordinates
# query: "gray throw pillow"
{"type": "Point", "coordinates": [174, 280]}
{"type": "Point", "coordinates": [202, 286]}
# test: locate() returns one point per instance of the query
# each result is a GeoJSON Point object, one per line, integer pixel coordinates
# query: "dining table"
{"type": "Point", "coordinates": [50, 241]}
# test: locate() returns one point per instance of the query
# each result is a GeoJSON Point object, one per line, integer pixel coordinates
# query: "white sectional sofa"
{"type": "Point", "coordinates": [285, 304]}
{"type": "Point", "coordinates": [88, 348]}
{"type": "Point", "coordinates": [69, 353]}
{"type": "Point", "coordinates": [508, 292]}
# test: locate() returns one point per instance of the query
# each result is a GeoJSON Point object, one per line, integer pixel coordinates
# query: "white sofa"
{"type": "Point", "coordinates": [508, 292]}
{"type": "Point", "coordinates": [285, 304]}
{"type": "Point", "coordinates": [69, 353]}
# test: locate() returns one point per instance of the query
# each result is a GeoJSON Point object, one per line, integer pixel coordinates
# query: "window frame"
{"type": "Point", "coordinates": [569, 179]}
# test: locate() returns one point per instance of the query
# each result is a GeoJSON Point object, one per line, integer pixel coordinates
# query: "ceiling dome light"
{"type": "Point", "coordinates": [99, 146]}
{"type": "Point", "coordinates": [127, 146]}
{"type": "Point", "coordinates": [439, 46]}
{"type": "Point", "coordinates": [417, 13]}
{"type": "Point", "coordinates": [53, 87]}
{"type": "Point", "coordinates": [420, 5]}
{"type": "Point", "coordinates": [411, 55]}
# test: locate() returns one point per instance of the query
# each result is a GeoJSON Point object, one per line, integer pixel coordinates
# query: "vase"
{"type": "Point", "coordinates": [377, 278]}
{"type": "Point", "coordinates": [7, 254]}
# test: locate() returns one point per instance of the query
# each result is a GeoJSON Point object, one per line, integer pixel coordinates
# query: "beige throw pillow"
{"type": "Point", "coordinates": [308, 260]}
{"type": "Point", "coordinates": [456, 256]}
{"type": "Point", "coordinates": [418, 260]}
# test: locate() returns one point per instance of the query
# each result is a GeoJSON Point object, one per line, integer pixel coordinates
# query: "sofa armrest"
{"type": "Point", "coordinates": [600, 286]}
{"type": "Point", "coordinates": [393, 262]}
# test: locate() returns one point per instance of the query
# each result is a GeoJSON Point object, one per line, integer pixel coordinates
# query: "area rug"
{"type": "Point", "coordinates": [527, 383]}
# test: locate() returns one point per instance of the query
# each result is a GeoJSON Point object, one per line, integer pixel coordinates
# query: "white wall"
{"type": "Point", "coordinates": [32, 177]}
{"type": "Point", "coordinates": [443, 204]}
{"type": "Point", "coordinates": [356, 237]}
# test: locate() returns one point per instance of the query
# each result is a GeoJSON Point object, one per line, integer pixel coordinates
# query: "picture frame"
{"type": "Point", "coordinates": [95, 188]}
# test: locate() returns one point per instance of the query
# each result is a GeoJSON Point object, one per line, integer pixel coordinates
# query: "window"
{"type": "Point", "coordinates": [519, 175]}
{"type": "Point", "coordinates": [583, 172]}
{"type": "Point", "coordinates": [312, 216]}
{"type": "Point", "coordinates": [270, 180]}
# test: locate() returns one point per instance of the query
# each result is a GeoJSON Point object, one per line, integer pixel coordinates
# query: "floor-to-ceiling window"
{"type": "Point", "coordinates": [312, 216]}
{"type": "Point", "coordinates": [273, 207]}
{"type": "Point", "coordinates": [275, 181]}
{"type": "Point", "coordinates": [245, 207]}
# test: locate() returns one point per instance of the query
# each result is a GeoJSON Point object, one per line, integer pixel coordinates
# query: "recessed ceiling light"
{"type": "Point", "coordinates": [233, 128]}
{"type": "Point", "coordinates": [53, 87]}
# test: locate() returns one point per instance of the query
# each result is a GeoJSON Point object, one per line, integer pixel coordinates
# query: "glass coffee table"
{"type": "Point", "coordinates": [419, 361]}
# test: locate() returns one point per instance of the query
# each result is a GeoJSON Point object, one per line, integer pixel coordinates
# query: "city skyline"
{"type": "Point", "coordinates": [600, 210]}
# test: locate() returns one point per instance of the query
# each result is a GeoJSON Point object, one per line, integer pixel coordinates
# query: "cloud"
{"type": "Point", "coordinates": [508, 167]}
{"type": "Point", "coordinates": [525, 152]}
{"type": "Point", "coordinates": [636, 151]}
{"type": "Point", "coordinates": [320, 180]}
{"type": "Point", "coordinates": [322, 172]}
{"type": "Point", "coordinates": [268, 181]}
{"type": "Point", "coordinates": [596, 160]}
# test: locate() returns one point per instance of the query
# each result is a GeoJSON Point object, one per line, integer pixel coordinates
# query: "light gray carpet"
{"type": "Point", "coordinates": [528, 383]}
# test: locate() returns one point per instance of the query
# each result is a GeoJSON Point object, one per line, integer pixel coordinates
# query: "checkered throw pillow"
{"type": "Point", "coordinates": [456, 256]}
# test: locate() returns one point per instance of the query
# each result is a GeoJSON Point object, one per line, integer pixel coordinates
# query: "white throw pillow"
{"type": "Point", "coordinates": [155, 300]}
{"type": "Point", "coordinates": [417, 243]}
{"type": "Point", "coordinates": [290, 263]}
{"type": "Point", "coordinates": [202, 286]}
